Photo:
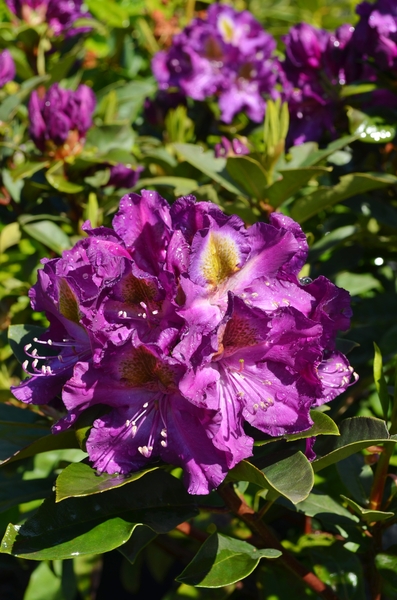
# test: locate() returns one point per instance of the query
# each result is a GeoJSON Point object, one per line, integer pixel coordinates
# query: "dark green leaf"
{"type": "Point", "coordinates": [317, 504]}
{"type": "Point", "coordinates": [291, 477]}
{"type": "Point", "coordinates": [322, 425]}
{"type": "Point", "coordinates": [49, 234]}
{"type": "Point", "coordinates": [79, 479]}
{"type": "Point", "coordinates": [60, 183]}
{"type": "Point", "coordinates": [349, 185]}
{"type": "Point", "coordinates": [140, 538]}
{"type": "Point", "coordinates": [109, 137]}
{"type": "Point", "coordinates": [356, 433]}
{"type": "Point", "coordinates": [207, 164]}
{"type": "Point", "coordinates": [249, 174]}
{"type": "Point", "coordinates": [100, 523]}
{"type": "Point", "coordinates": [386, 563]}
{"type": "Point", "coordinates": [370, 129]}
{"type": "Point", "coordinates": [291, 182]}
{"type": "Point", "coordinates": [369, 516]}
{"type": "Point", "coordinates": [16, 492]}
{"type": "Point", "coordinates": [223, 560]}
{"type": "Point", "coordinates": [26, 169]}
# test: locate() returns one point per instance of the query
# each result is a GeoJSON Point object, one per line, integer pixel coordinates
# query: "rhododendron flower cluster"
{"type": "Point", "coordinates": [229, 55]}
{"type": "Point", "coordinates": [181, 325]}
{"type": "Point", "coordinates": [59, 14]}
{"type": "Point", "coordinates": [60, 119]}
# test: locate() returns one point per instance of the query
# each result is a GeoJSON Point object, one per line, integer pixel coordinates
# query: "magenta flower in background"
{"type": "Point", "coordinates": [59, 14]}
{"type": "Point", "coordinates": [230, 148]}
{"type": "Point", "coordinates": [185, 325]}
{"type": "Point", "coordinates": [123, 176]}
{"type": "Point", "coordinates": [60, 119]}
{"type": "Point", "coordinates": [7, 67]}
{"type": "Point", "coordinates": [228, 55]}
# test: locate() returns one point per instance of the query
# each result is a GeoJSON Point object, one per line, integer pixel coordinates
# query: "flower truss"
{"type": "Point", "coordinates": [183, 325]}
{"type": "Point", "coordinates": [60, 119]}
{"type": "Point", "coordinates": [59, 14]}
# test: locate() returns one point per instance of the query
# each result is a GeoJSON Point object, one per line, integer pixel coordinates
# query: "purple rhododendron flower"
{"type": "Point", "coordinates": [234, 148]}
{"type": "Point", "coordinates": [59, 14]}
{"type": "Point", "coordinates": [228, 55]}
{"type": "Point", "coordinates": [123, 176]}
{"type": "Point", "coordinates": [7, 67]}
{"type": "Point", "coordinates": [185, 325]}
{"type": "Point", "coordinates": [60, 119]}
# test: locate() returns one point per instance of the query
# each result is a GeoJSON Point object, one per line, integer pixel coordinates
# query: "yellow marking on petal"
{"type": "Point", "coordinates": [68, 304]}
{"type": "Point", "coordinates": [226, 29]}
{"type": "Point", "coordinates": [140, 368]}
{"type": "Point", "coordinates": [220, 259]}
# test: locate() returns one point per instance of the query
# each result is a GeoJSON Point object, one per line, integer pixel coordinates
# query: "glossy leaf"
{"type": "Point", "coordinates": [370, 129]}
{"type": "Point", "coordinates": [356, 433]}
{"type": "Point", "coordinates": [291, 477]}
{"type": "Point", "coordinates": [79, 479]}
{"type": "Point", "coordinates": [16, 492]}
{"type": "Point", "coordinates": [348, 186]}
{"type": "Point", "coordinates": [9, 236]}
{"type": "Point", "coordinates": [369, 516]}
{"type": "Point", "coordinates": [291, 182]}
{"type": "Point", "coordinates": [140, 538]}
{"type": "Point", "coordinates": [60, 183]}
{"type": "Point", "coordinates": [249, 174]}
{"type": "Point", "coordinates": [317, 504]}
{"type": "Point", "coordinates": [322, 425]}
{"type": "Point", "coordinates": [96, 524]}
{"type": "Point", "coordinates": [49, 234]}
{"type": "Point", "coordinates": [380, 382]}
{"type": "Point", "coordinates": [182, 185]}
{"type": "Point", "coordinates": [223, 560]}
{"type": "Point", "coordinates": [207, 164]}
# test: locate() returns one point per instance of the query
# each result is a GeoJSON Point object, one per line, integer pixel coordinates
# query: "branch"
{"type": "Point", "coordinates": [252, 520]}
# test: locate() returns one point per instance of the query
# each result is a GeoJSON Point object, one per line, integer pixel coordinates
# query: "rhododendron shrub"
{"type": "Point", "coordinates": [185, 325]}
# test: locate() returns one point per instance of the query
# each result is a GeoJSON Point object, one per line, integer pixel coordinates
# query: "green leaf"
{"type": "Point", "coordinates": [291, 477]}
{"type": "Point", "coordinates": [9, 236]}
{"type": "Point", "coordinates": [60, 441]}
{"type": "Point", "coordinates": [16, 492]}
{"type": "Point", "coordinates": [380, 382]}
{"type": "Point", "coordinates": [356, 433]}
{"type": "Point", "coordinates": [317, 156]}
{"type": "Point", "coordinates": [348, 185]}
{"type": "Point", "coordinates": [319, 504]}
{"type": "Point", "coordinates": [109, 137]}
{"type": "Point", "coordinates": [26, 169]}
{"type": "Point", "coordinates": [100, 523]}
{"type": "Point", "coordinates": [11, 103]}
{"type": "Point", "coordinates": [183, 185]}
{"type": "Point", "coordinates": [44, 584]}
{"type": "Point", "coordinates": [386, 564]}
{"type": "Point", "coordinates": [292, 180]}
{"type": "Point", "coordinates": [207, 164]}
{"type": "Point", "coordinates": [20, 335]}
{"type": "Point", "coordinates": [370, 129]}
{"type": "Point", "coordinates": [49, 234]}
{"type": "Point", "coordinates": [140, 538]}
{"type": "Point", "coordinates": [79, 479]}
{"type": "Point", "coordinates": [367, 515]}
{"type": "Point", "coordinates": [249, 173]}
{"type": "Point", "coordinates": [223, 560]}
{"type": "Point", "coordinates": [322, 425]}
{"type": "Point", "coordinates": [60, 183]}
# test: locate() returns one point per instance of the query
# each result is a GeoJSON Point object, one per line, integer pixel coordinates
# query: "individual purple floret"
{"type": "Point", "coordinates": [60, 119]}
{"type": "Point", "coordinates": [7, 67]}
{"type": "Point", "coordinates": [227, 55]}
{"type": "Point", "coordinates": [59, 14]}
{"type": "Point", "coordinates": [227, 148]}
{"type": "Point", "coordinates": [185, 325]}
{"type": "Point", "coordinates": [123, 176]}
